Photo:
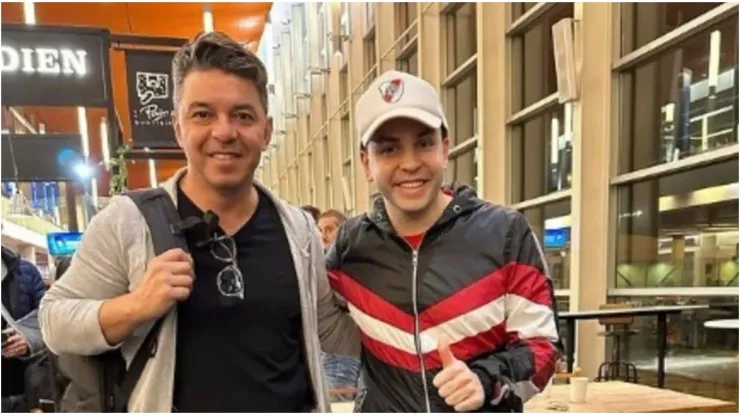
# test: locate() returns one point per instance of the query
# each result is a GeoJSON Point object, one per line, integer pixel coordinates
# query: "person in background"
{"type": "Point", "coordinates": [22, 290]}
{"type": "Point", "coordinates": [312, 211]}
{"type": "Point", "coordinates": [329, 223]}
{"type": "Point", "coordinates": [342, 371]}
{"type": "Point", "coordinates": [451, 293]}
{"type": "Point", "coordinates": [45, 382]}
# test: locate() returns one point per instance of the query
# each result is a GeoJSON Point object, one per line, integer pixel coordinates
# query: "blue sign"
{"type": "Point", "coordinates": [63, 244]}
{"type": "Point", "coordinates": [557, 238]}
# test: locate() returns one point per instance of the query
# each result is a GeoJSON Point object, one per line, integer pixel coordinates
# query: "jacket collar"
{"type": "Point", "coordinates": [464, 200]}
{"type": "Point", "coordinates": [289, 218]}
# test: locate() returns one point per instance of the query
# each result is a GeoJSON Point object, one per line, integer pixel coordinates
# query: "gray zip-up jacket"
{"type": "Point", "coordinates": [110, 261]}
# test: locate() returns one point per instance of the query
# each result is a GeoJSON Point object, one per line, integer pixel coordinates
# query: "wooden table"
{"type": "Point", "coordinates": [661, 312]}
{"type": "Point", "coordinates": [620, 397]}
{"type": "Point", "coordinates": [613, 397]}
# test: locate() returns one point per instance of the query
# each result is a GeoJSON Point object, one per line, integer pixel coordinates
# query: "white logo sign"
{"type": "Point", "coordinates": [152, 86]}
{"type": "Point", "coordinates": [43, 61]}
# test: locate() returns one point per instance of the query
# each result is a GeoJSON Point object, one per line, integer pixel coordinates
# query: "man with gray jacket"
{"type": "Point", "coordinates": [248, 309]}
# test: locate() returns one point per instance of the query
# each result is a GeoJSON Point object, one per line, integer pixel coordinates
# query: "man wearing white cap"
{"type": "Point", "coordinates": [451, 293]}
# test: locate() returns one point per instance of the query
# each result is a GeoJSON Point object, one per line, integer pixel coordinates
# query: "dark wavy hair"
{"type": "Point", "coordinates": [313, 211]}
{"type": "Point", "coordinates": [216, 50]}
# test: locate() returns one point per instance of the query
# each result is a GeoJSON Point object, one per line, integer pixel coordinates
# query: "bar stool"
{"type": "Point", "coordinates": [617, 328]}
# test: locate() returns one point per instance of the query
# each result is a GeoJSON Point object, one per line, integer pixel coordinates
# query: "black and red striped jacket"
{"type": "Point", "coordinates": [479, 277]}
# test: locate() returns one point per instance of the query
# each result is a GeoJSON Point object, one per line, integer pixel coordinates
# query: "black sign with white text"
{"type": "Point", "coordinates": [42, 157]}
{"type": "Point", "coordinates": [54, 66]}
{"type": "Point", "coordinates": [150, 88]}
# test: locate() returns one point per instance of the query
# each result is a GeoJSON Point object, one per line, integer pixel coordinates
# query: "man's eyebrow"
{"type": "Point", "coordinates": [427, 131]}
{"type": "Point", "coordinates": [244, 106]}
{"type": "Point", "coordinates": [385, 140]}
{"type": "Point", "coordinates": [236, 107]}
{"type": "Point", "coordinates": [197, 104]}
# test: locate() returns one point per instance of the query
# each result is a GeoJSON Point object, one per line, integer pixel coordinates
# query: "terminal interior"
{"type": "Point", "coordinates": [613, 127]}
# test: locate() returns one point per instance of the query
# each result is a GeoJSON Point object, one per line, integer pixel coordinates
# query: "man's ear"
{"type": "Point", "coordinates": [446, 150]}
{"type": "Point", "coordinates": [365, 161]}
{"type": "Point", "coordinates": [268, 134]}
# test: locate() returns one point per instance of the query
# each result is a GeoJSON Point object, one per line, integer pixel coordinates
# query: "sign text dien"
{"type": "Point", "coordinates": [43, 61]}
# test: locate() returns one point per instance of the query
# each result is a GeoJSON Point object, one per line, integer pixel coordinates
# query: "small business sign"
{"type": "Point", "coordinates": [150, 90]}
{"type": "Point", "coordinates": [54, 66]}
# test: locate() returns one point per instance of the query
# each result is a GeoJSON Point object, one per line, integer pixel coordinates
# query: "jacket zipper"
{"type": "Point", "coordinates": [417, 334]}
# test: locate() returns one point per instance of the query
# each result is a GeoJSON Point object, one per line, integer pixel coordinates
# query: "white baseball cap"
{"type": "Point", "coordinates": [397, 94]}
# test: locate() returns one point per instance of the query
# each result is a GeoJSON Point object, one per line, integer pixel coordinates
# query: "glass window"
{"type": "Point", "coordinates": [324, 109]}
{"type": "Point", "coordinates": [683, 102]}
{"type": "Point", "coordinates": [700, 361]}
{"type": "Point", "coordinates": [410, 65]}
{"type": "Point", "coordinates": [348, 185]}
{"type": "Point", "coordinates": [327, 176]}
{"type": "Point", "coordinates": [461, 108]}
{"type": "Point", "coordinates": [405, 16]}
{"type": "Point", "coordinates": [542, 154]}
{"type": "Point", "coordinates": [311, 178]}
{"type": "Point", "coordinates": [348, 142]}
{"type": "Point", "coordinates": [563, 305]}
{"type": "Point", "coordinates": [551, 223]}
{"type": "Point", "coordinates": [644, 22]}
{"type": "Point", "coordinates": [461, 36]}
{"type": "Point", "coordinates": [343, 85]}
{"type": "Point", "coordinates": [534, 60]}
{"type": "Point", "coordinates": [680, 230]}
{"type": "Point", "coordinates": [370, 56]}
{"type": "Point", "coordinates": [463, 169]}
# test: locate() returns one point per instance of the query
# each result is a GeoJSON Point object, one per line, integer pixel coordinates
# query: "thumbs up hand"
{"type": "Point", "coordinates": [456, 383]}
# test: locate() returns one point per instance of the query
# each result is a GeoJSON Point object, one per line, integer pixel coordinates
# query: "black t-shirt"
{"type": "Point", "coordinates": [242, 355]}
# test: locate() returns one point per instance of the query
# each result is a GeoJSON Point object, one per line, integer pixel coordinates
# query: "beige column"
{"type": "Point", "coordinates": [678, 254]}
{"type": "Point", "coordinates": [283, 165]}
{"type": "Point", "coordinates": [290, 140]}
{"type": "Point", "coordinates": [316, 127]}
{"type": "Point", "coordinates": [274, 173]}
{"type": "Point", "coordinates": [356, 74]}
{"type": "Point", "coordinates": [335, 133]}
{"type": "Point", "coordinates": [385, 35]}
{"type": "Point", "coordinates": [304, 176]}
{"type": "Point", "coordinates": [591, 212]}
{"type": "Point", "coordinates": [27, 252]}
{"type": "Point", "coordinates": [265, 177]}
{"type": "Point", "coordinates": [430, 38]}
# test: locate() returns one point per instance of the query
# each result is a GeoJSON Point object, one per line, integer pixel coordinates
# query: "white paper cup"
{"type": "Point", "coordinates": [578, 389]}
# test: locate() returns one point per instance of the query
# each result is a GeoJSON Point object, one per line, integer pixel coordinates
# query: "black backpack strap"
{"type": "Point", "coordinates": [160, 213]}
{"type": "Point", "coordinates": [165, 227]}
{"type": "Point", "coordinates": [147, 350]}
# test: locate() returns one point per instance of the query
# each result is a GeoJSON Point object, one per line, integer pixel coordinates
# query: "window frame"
{"type": "Point", "coordinates": [628, 62]}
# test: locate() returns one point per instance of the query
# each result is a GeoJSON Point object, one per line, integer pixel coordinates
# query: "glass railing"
{"type": "Point", "coordinates": [33, 222]}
